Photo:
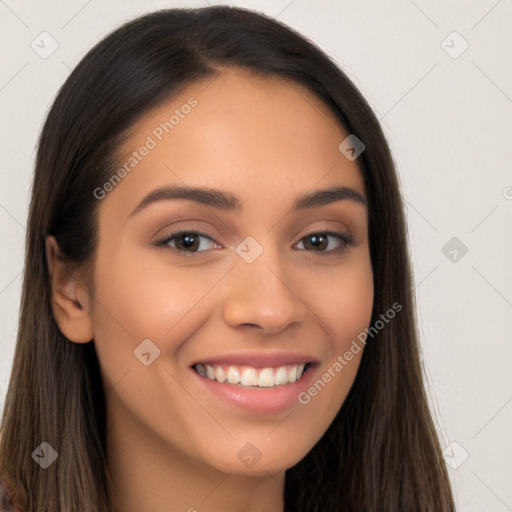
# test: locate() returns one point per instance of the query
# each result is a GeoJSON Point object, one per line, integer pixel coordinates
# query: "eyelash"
{"type": "Point", "coordinates": [346, 239]}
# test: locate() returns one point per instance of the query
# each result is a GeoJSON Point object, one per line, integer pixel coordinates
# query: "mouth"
{"type": "Point", "coordinates": [251, 377]}
{"type": "Point", "coordinates": [257, 383]}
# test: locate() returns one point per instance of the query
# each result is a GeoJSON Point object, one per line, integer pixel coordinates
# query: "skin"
{"type": "Point", "coordinates": [171, 444]}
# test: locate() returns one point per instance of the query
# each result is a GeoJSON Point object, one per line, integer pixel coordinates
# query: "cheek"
{"type": "Point", "coordinates": [137, 299]}
{"type": "Point", "coordinates": [146, 296]}
{"type": "Point", "coordinates": [351, 308]}
{"type": "Point", "coordinates": [343, 303]}
{"type": "Point", "coordinates": [342, 298]}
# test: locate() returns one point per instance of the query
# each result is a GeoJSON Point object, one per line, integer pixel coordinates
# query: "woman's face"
{"type": "Point", "coordinates": [255, 289]}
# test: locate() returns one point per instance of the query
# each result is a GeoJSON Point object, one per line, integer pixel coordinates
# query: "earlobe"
{"type": "Point", "coordinates": [70, 301]}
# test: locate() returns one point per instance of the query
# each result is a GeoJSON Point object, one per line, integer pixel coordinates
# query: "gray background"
{"type": "Point", "coordinates": [448, 119]}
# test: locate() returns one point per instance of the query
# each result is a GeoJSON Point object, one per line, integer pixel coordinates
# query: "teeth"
{"type": "Point", "coordinates": [251, 377]}
{"type": "Point", "coordinates": [281, 376]}
{"type": "Point", "coordinates": [266, 378]}
{"type": "Point", "coordinates": [202, 371]}
{"type": "Point", "coordinates": [233, 375]}
{"type": "Point", "coordinates": [219, 373]}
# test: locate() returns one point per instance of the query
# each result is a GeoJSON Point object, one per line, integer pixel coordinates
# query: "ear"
{"type": "Point", "coordinates": [71, 303]}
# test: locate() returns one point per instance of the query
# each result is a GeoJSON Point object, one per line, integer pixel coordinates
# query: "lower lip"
{"type": "Point", "coordinates": [271, 400]}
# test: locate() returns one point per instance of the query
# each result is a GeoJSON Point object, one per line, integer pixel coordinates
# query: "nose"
{"type": "Point", "coordinates": [259, 294]}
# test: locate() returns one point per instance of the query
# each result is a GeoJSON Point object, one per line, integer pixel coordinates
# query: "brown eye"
{"type": "Point", "coordinates": [184, 241]}
{"type": "Point", "coordinates": [318, 241]}
{"type": "Point", "coordinates": [189, 242]}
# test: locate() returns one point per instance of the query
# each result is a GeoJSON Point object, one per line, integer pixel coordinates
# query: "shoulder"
{"type": "Point", "coordinates": [6, 504]}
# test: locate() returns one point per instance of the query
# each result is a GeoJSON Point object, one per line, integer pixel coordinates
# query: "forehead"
{"type": "Point", "coordinates": [260, 136]}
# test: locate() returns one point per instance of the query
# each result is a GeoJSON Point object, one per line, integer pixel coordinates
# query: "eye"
{"type": "Point", "coordinates": [320, 239]}
{"type": "Point", "coordinates": [186, 241]}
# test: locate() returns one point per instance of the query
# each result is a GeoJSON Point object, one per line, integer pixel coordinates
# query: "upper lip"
{"type": "Point", "coordinates": [258, 359]}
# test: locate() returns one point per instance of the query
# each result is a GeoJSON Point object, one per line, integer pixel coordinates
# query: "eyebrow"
{"type": "Point", "coordinates": [227, 201]}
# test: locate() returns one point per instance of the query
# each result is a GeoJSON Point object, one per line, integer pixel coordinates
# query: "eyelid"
{"type": "Point", "coordinates": [345, 237]}
{"type": "Point", "coordinates": [162, 242]}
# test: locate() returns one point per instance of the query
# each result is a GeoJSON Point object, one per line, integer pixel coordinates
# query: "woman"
{"type": "Point", "coordinates": [217, 309]}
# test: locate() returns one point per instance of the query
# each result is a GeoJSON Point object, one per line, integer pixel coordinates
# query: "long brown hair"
{"type": "Point", "coordinates": [381, 452]}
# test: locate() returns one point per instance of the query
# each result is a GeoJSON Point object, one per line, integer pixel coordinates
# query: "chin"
{"type": "Point", "coordinates": [253, 461]}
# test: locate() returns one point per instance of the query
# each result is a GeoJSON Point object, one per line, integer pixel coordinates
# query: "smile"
{"type": "Point", "coordinates": [251, 377]}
